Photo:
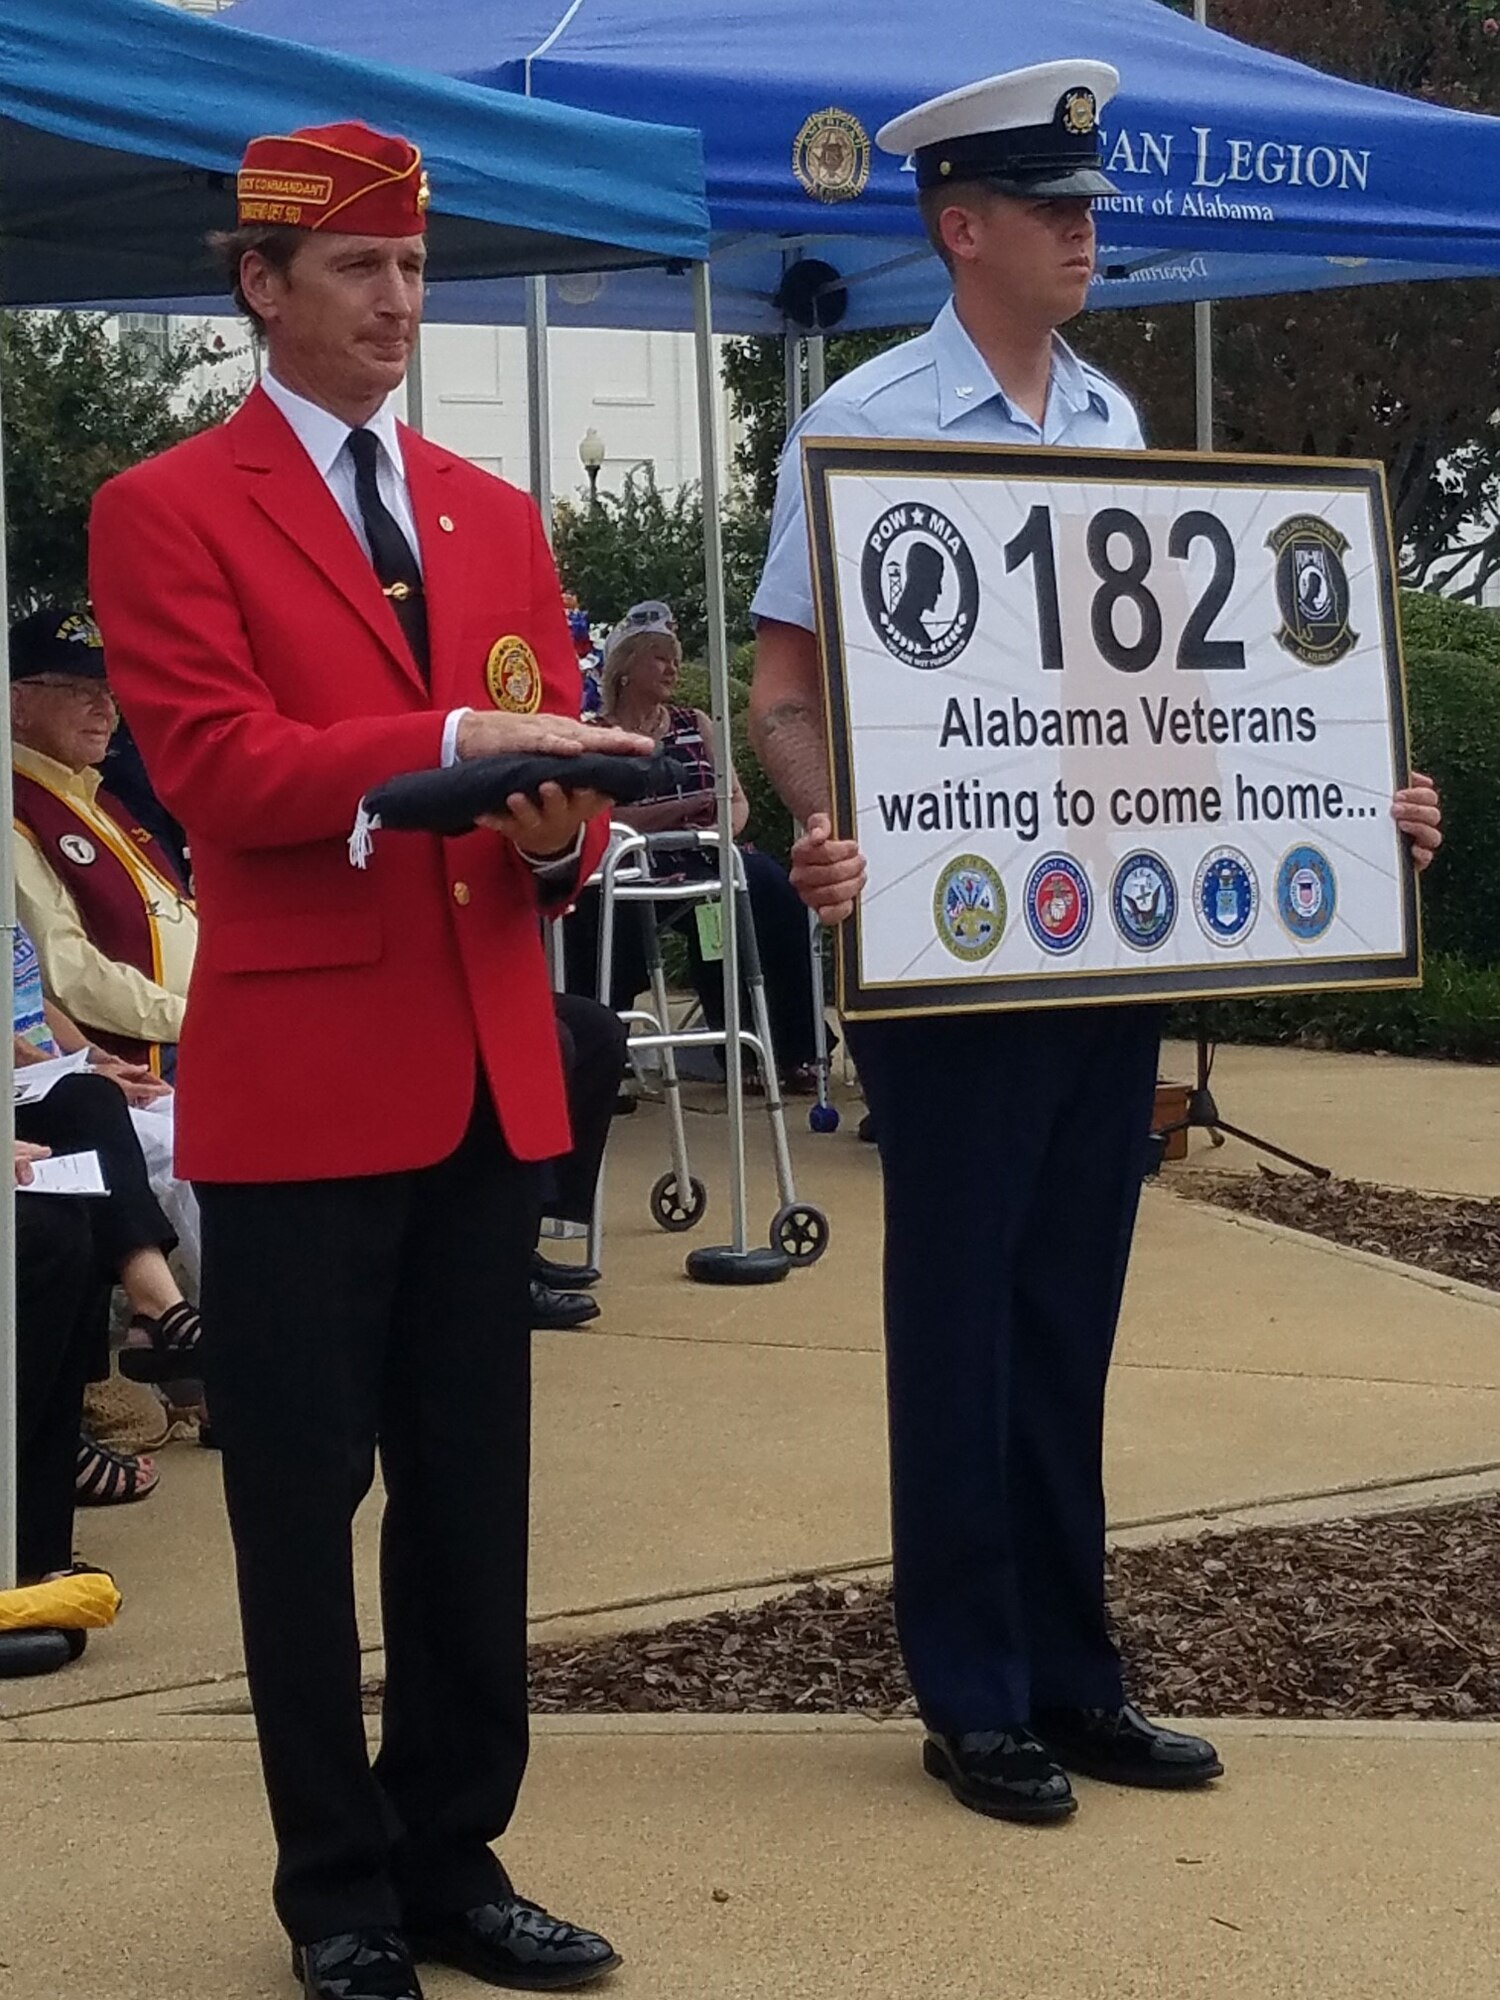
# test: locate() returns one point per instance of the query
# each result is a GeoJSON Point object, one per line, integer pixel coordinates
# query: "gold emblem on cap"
{"type": "Point", "coordinates": [831, 156]}
{"type": "Point", "coordinates": [512, 676]}
{"type": "Point", "coordinates": [424, 193]}
{"type": "Point", "coordinates": [1080, 112]}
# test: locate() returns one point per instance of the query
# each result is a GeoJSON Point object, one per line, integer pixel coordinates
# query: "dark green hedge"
{"type": "Point", "coordinates": [1455, 1014]}
{"type": "Point", "coordinates": [1455, 733]}
{"type": "Point", "coordinates": [1438, 625]}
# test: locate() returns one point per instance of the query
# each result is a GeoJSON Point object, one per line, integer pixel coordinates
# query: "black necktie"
{"type": "Point", "coordinates": [390, 551]}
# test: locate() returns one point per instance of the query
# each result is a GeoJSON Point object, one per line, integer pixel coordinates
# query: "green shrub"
{"type": "Point", "coordinates": [1455, 731]}
{"type": "Point", "coordinates": [1456, 1014]}
{"type": "Point", "coordinates": [1439, 625]}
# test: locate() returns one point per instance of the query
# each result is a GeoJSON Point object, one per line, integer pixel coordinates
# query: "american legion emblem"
{"type": "Point", "coordinates": [1312, 590]}
{"type": "Point", "coordinates": [831, 156]}
{"type": "Point", "coordinates": [513, 677]}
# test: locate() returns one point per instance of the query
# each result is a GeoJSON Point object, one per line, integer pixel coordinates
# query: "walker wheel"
{"type": "Point", "coordinates": [800, 1232]}
{"type": "Point", "coordinates": [673, 1211]}
{"type": "Point", "coordinates": [823, 1118]}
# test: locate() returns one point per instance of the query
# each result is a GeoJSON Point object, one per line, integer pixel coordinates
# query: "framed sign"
{"type": "Point", "coordinates": [1110, 726]}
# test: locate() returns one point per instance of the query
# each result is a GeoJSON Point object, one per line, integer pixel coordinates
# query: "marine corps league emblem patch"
{"type": "Point", "coordinates": [831, 156]}
{"type": "Point", "coordinates": [1312, 590]}
{"type": "Point", "coordinates": [513, 677]}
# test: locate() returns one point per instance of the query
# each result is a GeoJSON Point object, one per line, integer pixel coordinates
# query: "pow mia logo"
{"type": "Point", "coordinates": [920, 587]}
{"type": "Point", "coordinates": [1226, 896]}
{"type": "Point", "coordinates": [1312, 590]}
{"type": "Point", "coordinates": [968, 907]}
{"type": "Point", "coordinates": [1058, 902]}
{"type": "Point", "coordinates": [1306, 893]}
{"type": "Point", "coordinates": [78, 849]}
{"type": "Point", "coordinates": [513, 677]}
{"type": "Point", "coordinates": [1079, 112]}
{"type": "Point", "coordinates": [1143, 900]}
{"type": "Point", "coordinates": [831, 156]}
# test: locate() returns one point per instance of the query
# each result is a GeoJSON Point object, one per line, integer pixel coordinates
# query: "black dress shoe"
{"type": "Point", "coordinates": [557, 1311]}
{"type": "Point", "coordinates": [1003, 1772]}
{"type": "Point", "coordinates": [511, 1942]}
{"type": "Point", "coordinates": [567, 1277]}
{"type": "Point", "coordinates": [1120, 1746]}
{"type": "Point", "coordinates": [356, 1965]}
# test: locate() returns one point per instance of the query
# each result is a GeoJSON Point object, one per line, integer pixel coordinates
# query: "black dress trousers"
{"type": "Point", "coordinates": [1012, 1147]}
{"type": "Point", "coordinates": [62, 1312]}
{"type": "Point", "coordinates": [345, 1317]}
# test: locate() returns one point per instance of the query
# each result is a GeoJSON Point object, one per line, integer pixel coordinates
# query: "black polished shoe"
{"type": "Point", "coordinates": [1120, 1746]}
{"type": "Point", "coordinates": [1003, 1772]}
{"type": "Point", "coordinates": [567, 1277]}
{"type": "Point", "coordinates": [559, 1312]}
{"type": "Point", "coordinates": [357, 1965]}
{"type": "Point", "coordinates": [513, 1943]}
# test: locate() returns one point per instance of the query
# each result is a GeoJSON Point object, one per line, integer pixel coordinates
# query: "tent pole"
{"type": "Point", "coordinates": [416, 402]}
{"type": "Point", "coordinates": [539, 400]}
{"type": "Point", "coordinates": [718, 681]}
{"type": "Point", "coordinates": [1203, 330]}
{"type": "Point", "coordinates": [817, 366]}
{"type": "Point", "coordinates": [9, 1426]}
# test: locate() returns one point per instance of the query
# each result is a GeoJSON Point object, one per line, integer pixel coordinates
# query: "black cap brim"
{"type": "Point", "coordinates": [1076, 181]}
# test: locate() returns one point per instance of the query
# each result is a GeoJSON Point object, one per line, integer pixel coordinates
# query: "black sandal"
{"type": "Point", "coordinates": [172, 1354]}
{"type": "Point", "coordinates": [105, 1478]}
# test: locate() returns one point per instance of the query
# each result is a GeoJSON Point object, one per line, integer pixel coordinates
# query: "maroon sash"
{"type": "Point", "coordinates": [114, 895]}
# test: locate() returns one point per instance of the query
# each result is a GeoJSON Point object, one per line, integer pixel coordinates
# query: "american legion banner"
{"type": "Point", "coordinates": [1110, 726]}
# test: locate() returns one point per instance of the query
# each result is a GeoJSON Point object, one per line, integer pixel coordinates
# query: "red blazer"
{"type": "Point", "coordinates": [335, 1017]}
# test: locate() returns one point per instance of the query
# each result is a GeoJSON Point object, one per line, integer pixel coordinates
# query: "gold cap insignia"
{"type": "Point", "coordinates": [424, 193]}
{"type": "Point", "coordinates": [1080, 112]}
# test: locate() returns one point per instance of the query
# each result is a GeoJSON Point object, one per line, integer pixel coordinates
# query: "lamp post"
{"type": "Point", "coordinates": [591, 454]}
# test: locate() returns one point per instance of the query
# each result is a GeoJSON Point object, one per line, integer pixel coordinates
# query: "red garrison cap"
{"type": "Point", "coordinates": [339, 177]}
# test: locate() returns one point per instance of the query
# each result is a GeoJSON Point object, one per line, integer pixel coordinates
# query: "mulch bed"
{"type": "Point", "coordinates": [1459, 1238]}
{"type": "Point", "coordinates": [1391, 1616]}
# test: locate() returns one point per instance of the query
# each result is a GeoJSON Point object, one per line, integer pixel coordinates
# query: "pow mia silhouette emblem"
{"type": "Point", "coordinates": [1312, 590]}
{"type": "Point", "coordinates": [920, 587]}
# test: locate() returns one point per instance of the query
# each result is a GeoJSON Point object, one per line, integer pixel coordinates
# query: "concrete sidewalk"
{"type": "Point", "coordinates": [774, 1861]}
{"type": "Point", "coordinates": [702, 1446]}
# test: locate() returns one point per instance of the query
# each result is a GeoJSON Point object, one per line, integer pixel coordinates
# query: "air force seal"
{"type": "Point", "coordinates": [1058, 903]}
{"type": "Point", "coordinates": [831, 156]}
{"type": "Point", "coordinates": [1306, 893]}
{"type": "Point", "coordinates": [1226, 896]}
{"type": "Point", "coordinates": [1312, 590]}
{"type": "Point", "coordinates": [968, 907]}
{"type": "Point", "coordinates": [1143, 900]}
{"type": "Point", "coordinates": [920, 586]}
{"type": "Point", "coordinates": [513, 677]}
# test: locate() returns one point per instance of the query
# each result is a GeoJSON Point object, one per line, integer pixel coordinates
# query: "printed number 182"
{"type": "Point", "coordinates": [1196, 651]}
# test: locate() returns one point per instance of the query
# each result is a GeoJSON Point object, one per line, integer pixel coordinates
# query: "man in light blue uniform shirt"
{"type": "Point", "coordinates": [1012, 1144]}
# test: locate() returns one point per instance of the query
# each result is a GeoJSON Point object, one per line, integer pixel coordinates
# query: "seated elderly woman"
{"type": "Point", "coordinates": [642, 660]}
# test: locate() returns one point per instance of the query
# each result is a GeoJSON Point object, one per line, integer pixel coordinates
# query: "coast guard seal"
{"type": "Point", "coordinates": [1306, 893]}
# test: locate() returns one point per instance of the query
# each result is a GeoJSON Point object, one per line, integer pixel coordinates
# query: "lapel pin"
{"type": "Point", "coordinates": [445, 522]}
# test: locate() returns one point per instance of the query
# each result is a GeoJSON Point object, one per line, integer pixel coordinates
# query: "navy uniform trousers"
{"type": "Point", "coordinates": [1012, 1147]}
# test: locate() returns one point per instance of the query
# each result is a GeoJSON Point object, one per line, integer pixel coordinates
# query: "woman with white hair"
{"type": "Point", "coordinates": [642, 662]}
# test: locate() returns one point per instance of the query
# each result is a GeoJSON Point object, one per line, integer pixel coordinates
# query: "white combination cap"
{"type": "Point", "coordinates": [1029, 131]}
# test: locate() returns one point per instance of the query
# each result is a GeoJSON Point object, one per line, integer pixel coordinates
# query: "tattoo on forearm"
{"type": "Point", "coordinates": [790, 744]}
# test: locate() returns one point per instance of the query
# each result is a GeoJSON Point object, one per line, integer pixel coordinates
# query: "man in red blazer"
{"type": "Point", "coordinates": [297, 606]}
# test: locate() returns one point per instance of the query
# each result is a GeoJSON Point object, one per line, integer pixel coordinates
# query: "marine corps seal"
{"type": "Point", "coordinates": [513, 677]}
{"type": "Point", "coordinates": [831, 156]}
{"type": "Point", "coordinates": [1312, 590]}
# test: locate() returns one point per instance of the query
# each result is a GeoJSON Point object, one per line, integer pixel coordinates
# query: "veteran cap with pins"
{"type": "Point", "coordinates": [346, 178]}
{"type": "Point", "coordinates": [1032, 132]}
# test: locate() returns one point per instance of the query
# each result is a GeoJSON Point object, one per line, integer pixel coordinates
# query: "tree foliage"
{"type": "Point", "coordinates": [79, 407]}
{"type": "Point", "coordinates": [644, 543]}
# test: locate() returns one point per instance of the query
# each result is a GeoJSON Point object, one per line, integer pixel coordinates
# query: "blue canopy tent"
{"type": "Point", "coordinates": [121, 125]}
{"type": "Point", "coordinates": [1240, 172]}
